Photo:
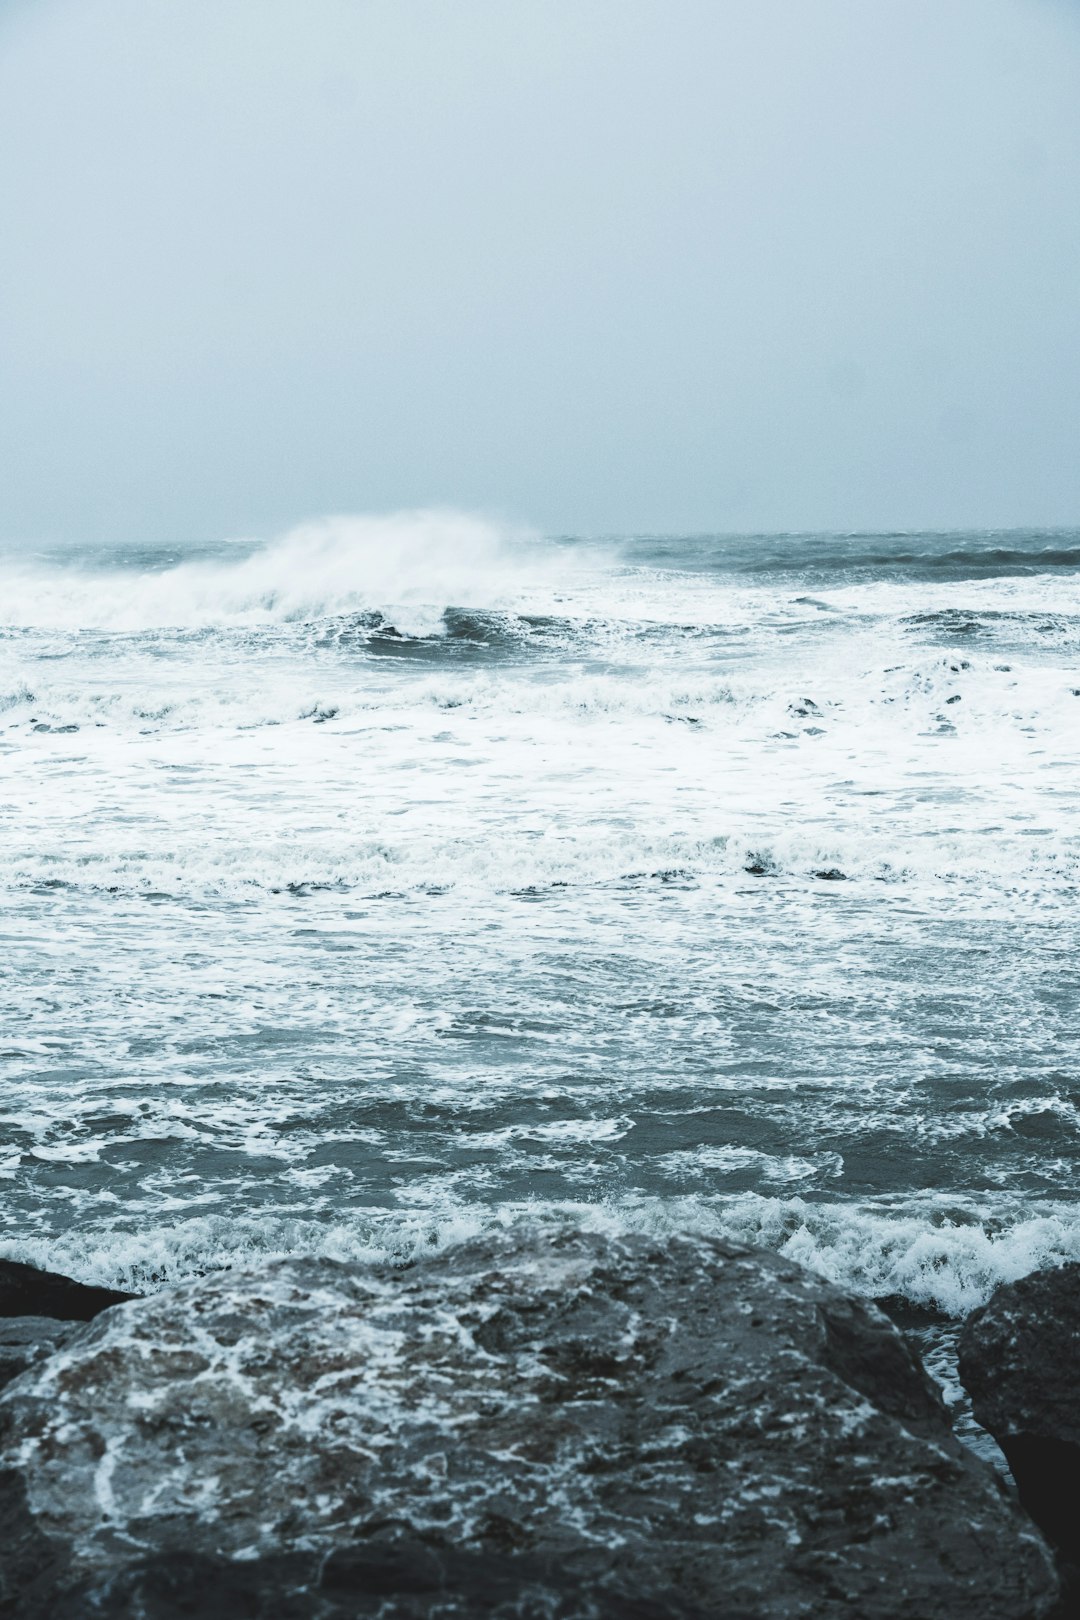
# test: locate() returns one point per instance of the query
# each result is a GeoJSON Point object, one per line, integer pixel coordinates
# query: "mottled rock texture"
{"type": "Point", "coordinates": [1020, 1362]}
{"type": "Point", "coordinates": [37, 1310]}
{"type": "Point", "coordinates": [27, 1339]}
{"type": "Point", "coordinates": [540, 1423]}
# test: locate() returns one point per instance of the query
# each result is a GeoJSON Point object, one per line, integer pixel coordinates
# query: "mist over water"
{"type": "Point", "coordinates": [411, 563]}
{"type": "Point", "coordinates": [402, 876]}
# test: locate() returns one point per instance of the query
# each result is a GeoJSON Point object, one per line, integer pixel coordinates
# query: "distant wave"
{"type": "Point", "coordinates": [955, 564]}
{"type": "Point", "coordinates": [404, 579]}
{"type": "Point", "coordinates": [915, 557]}
{"type": "Point", "coordinates": [408, 567]}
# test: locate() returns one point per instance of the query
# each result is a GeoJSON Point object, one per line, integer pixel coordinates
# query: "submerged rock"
{"type": "Point", "coordinates": [1020, 1362]}
{"type": "Point", "coordinates": [538, 1423]}
{"type": "Point", "coordinates": [27, 1291]}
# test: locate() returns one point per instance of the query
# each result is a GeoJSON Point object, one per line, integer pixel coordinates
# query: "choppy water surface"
{"type": "Point", "coordinates": [365, 888]}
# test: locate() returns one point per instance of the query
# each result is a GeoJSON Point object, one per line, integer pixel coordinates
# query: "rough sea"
{"type": "Point", "coordinates": [404, 876]}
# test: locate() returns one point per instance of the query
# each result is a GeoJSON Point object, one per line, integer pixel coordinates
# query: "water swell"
{"type": "Point", "coordinates": [922, 557]}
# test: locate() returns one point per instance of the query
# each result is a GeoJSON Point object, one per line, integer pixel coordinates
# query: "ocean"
{"type": "Point", "coordinates": [403, 876]}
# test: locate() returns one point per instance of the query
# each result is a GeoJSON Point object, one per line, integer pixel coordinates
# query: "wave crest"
{"type": "Point", "coordinates": [407, 566]}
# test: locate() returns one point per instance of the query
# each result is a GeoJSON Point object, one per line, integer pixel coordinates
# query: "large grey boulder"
{"type": "Point", "coordinates": [1019, 1358]}
{"type": "Point", "coordinates": [540, 1423]}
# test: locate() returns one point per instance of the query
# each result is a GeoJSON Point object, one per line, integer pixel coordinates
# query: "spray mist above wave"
{"type": "Point", "coordinates": [407, 566]}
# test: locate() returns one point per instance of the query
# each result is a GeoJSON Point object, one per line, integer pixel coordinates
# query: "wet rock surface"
{"type": "Point", "coordinates": [25, 1340]}
{"type": "Point", "coordinates": [27, 1291]}
{"type": "Point", "coordinates": [39, 1311]}
{"type": "Point", "coordinates": [539, 1423]}
{"type": "Point", "coordinates": [1020, 1362]}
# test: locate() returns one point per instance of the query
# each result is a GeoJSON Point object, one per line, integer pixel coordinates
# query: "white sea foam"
{"type": "Point", "coordinates": [513, 861]}
{"type": "Point", "coordinates": [949, 1261]}
{"type": "Point", "coordinates": [408, 564]}
{"type": "Point", "coordinates": [677, 891]}
{"type": "Point", "coordinates": [910, 699]}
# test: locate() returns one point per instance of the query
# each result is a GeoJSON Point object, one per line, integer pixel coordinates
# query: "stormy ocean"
{"type": "Point", "coordinates": [402, 876]}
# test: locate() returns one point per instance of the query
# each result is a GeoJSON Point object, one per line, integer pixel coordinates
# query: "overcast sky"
{"type": "Point", "coordinates": [598, 265]}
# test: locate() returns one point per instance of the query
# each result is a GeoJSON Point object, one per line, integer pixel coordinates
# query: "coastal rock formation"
{"type": "Point", "coordinates": [538, 1423]}
{"type": "Point", "coordinates": [27, 1291]}
{"type": "Point", "coordinates": [27, 1339]}
{"type": "Point", "coordinates": [1020, 1362]}
{"type": "Point", "coordinates": [37, 1313]}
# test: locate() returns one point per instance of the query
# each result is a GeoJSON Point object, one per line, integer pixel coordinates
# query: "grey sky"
{"type": "Point", "coordinates": [596, 264]}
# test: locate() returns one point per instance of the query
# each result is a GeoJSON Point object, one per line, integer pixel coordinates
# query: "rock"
{"type": "Point", "coordinates": [37, 1309]}
{"type": "Point", "coordinates": [26, 1339]}
{"type": "Point", "coordinates": [1020, 1362]}
{"type": "Point", "coordinates": [27, 1291]}
{"type": "Point", "coordinates": [542, 1422]}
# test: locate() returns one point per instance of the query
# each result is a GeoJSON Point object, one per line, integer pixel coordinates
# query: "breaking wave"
{"type": "Point", "coordinates": [407, 566]}
{"type": "Point", "coordinates": [944, 1260]}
